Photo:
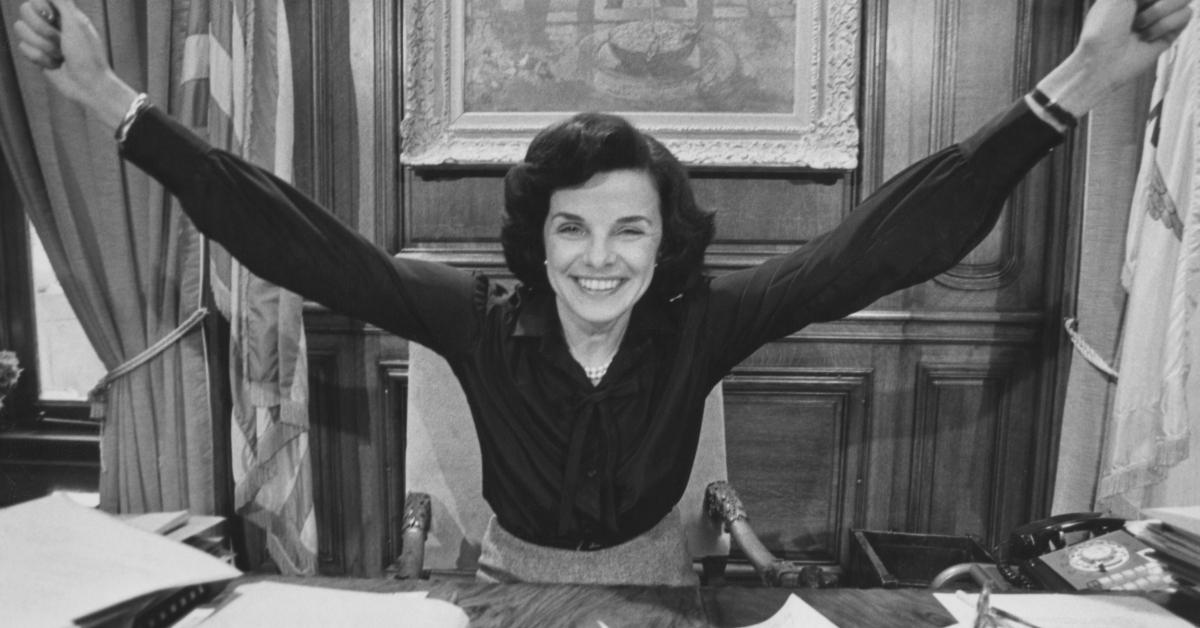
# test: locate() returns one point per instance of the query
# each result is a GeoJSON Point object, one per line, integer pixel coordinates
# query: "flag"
{"type": "Point", "coordinates": [237, 75]}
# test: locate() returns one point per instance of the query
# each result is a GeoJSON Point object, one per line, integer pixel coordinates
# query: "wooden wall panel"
{"type": "Point", "coordinates": [356, 377]}
{"type": "Point", "coordinates": [327, 461]}
{"type": "Point", "coordinates": [453, 212]}
{"type": "Point", "coordinates": [959, 418]}
{"type": "Point", "coordinates": [794, 442]}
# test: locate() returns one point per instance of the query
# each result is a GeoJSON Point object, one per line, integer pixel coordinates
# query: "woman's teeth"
{"type": "Point", "coordinates": [598, 285]}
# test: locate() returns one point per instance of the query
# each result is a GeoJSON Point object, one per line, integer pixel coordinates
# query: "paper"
{"type": "Point", "coordinates": [60, 561]}
{"type": "Point", "coordinates": [195, 524]}
{"type": "Point", "coordinates": [156, 522]}
{"type": "Point", "coordinates": [298, 606]}
{"type": "Point", "coordinates": [1183, 517]}
{"type": "Point", "coordinates": [795, 612]}
{"type": "Point", "coordinates": [1066, 610]}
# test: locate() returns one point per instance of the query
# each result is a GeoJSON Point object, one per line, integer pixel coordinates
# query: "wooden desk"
{"type": "Point", "coordinates": [530, 605]}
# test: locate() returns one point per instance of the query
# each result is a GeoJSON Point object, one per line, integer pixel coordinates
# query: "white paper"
{"type": "Point", "coordinates": [60, 560]}
{"type": "Point", "coordinates": [299, 606]}
{"type": "Point", "coordinates": [195, 525]}
{"type": "Point", "coordinates": [795, 612]}
{"type": "Point", "coordinates": [1182, 517]}
{"type": "Point", "coordinates": [1065, 610]}
{"type": "Point", "coordinates": [156, 522]}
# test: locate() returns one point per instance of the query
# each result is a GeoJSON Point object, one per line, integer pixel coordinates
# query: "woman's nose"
{"type": "Point", "coordinates": [599, 252]}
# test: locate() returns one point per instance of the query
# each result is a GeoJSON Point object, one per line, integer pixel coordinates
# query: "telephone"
{"type": "Point", "coordinates": [1071, 552]}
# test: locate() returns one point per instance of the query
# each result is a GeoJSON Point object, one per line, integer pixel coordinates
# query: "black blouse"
{"type": "Point", "coordinates": [565, 463]}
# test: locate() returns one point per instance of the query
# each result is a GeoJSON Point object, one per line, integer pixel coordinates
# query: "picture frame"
{"type": "Point", "coordinates": [723, 83]}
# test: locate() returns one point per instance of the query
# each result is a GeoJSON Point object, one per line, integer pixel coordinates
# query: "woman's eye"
{"type": "Point", "coordinates": [631, 231]}
{"type": "Point", "coordinates": [570, 229]}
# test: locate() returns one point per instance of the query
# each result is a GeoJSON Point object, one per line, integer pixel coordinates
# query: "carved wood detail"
{"type": "Point", "coordinates": [437, 132]}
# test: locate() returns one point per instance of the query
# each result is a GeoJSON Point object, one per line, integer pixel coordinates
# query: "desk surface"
{"type": "Point", "coordinates": [532, 605]}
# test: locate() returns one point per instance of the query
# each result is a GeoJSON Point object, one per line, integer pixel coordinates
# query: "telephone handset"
{"type": "Point", "coordinates": [1081, 551]}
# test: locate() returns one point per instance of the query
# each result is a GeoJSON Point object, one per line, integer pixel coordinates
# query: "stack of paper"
{"type": "Point", "coordinates": [298, 606]}
{"type": "Point", "coordinates": [1174, 533]}
{"type": "Point", "coordinates": [60, 562]}
{"type": "Point", "coordinates": [202, 532]}
{"type": "Point", "coordinates": [1067, 610]}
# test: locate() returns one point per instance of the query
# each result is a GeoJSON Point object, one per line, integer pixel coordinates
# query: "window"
{"type": "Point", "coordinates": [67, 364]}
{"type": "Point", "coordinates": [47, 442]}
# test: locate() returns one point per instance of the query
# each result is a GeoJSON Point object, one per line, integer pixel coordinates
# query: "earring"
{"type": "Point", "coordinates": [545, 262]}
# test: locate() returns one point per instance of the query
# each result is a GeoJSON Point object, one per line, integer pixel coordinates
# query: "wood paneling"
{"type": "Point", "coordinates": [931, 411]}
{"type": "Point", "coordinates": [961, 421]}
{"type": "Point", "coordinates": [795, 442]}
{"type": "Point", "coordinates": [356, 376]}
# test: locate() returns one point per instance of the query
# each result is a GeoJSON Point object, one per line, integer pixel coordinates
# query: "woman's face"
{"type": "Point", "coordinates": [602, 240]}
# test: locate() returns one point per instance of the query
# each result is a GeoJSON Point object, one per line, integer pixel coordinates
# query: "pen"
{"type": "Point", "coordinates": [996, 612]}
{"type": "Point", "coordinates": [1007, 616]}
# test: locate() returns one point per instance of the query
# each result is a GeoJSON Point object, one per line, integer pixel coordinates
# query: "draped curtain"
{"type": "Point", "coordinates": [129, 265]}
{"type": "Point", "coordinates": [1156, 408]}
{"type": "Point", "coordinates": [133, 268]}
{"type": "Point", "coordinates": [1114, 139]}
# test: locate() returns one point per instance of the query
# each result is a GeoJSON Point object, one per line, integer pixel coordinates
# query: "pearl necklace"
{"type": "Point", "coordinates": [596, 373]}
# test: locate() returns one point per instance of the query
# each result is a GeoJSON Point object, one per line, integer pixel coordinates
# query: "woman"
{"type": "Point", "coordinates": [587, 382]}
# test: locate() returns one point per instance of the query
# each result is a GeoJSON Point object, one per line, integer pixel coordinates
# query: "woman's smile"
{"type": "Point", "coordinates": [598, 285]}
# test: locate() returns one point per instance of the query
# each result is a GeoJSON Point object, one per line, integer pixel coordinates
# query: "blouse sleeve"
{"type": "Point", "coordinates": [284, 237]}
{"type": "Point", "coordinates": [918, 224]}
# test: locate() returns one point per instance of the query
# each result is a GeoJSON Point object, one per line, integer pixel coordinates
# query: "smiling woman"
{"type": "Point", "coordinates": [587, 381]}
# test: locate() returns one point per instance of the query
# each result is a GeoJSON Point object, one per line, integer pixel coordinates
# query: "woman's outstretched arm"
{"type": "Point", "coordinates": [270, 227]}
{"type": "Point", "coordinates": [924, 220]}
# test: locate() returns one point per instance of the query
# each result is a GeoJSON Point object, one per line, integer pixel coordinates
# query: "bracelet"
{"type": "Point", "coordinates": [1064, 117]}
{"type": "Point", "coordinates": [139, 104]}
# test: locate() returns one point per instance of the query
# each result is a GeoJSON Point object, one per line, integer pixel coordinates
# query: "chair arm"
{"type": "Point", "coordinates": [980, 573]}
{"type": "Point", "coordinates": [414, 530]}
{"type": "Point", "coordinates": [724, 507]}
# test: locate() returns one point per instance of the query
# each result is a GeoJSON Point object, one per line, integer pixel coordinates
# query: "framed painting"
{"type": "Point", "coordinates": [723, 83]}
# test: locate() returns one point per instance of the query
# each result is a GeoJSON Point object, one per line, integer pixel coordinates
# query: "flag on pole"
{"type": "Point", "coordinates": [237, 62]}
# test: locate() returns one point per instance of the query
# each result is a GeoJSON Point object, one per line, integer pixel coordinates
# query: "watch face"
{"type": "Point", "coordinates": [1097, 555]}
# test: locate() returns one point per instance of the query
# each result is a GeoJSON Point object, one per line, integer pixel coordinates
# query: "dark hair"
{"type": "Point", "coordinates": [570, 152]}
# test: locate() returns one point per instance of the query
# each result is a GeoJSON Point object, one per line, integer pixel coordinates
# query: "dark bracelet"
{"type": "Point", "coordinates": [1055, 110]}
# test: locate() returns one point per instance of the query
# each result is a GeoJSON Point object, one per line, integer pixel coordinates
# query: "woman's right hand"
{"type": "Point", "coordinates": [60, 39]}
{"type": "Point", "coordinates": [1120, 40]}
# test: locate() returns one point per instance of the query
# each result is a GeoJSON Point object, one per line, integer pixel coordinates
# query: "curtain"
{"type": "Point", "coordinates": [240, 50]}
{"type": "Point", "coordinates": [1156, 408]}
{"type": "Point", "coordinates": [129, 265]}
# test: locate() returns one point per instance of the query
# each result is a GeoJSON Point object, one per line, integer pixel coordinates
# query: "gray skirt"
{"type": "Point", "coordinates": [657, 557]}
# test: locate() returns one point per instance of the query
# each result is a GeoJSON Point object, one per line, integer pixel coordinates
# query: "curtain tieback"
{"type": "Point", "coordinates": [96, 398]}
{"type": "Point", "coordinates": [1086, 350]}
